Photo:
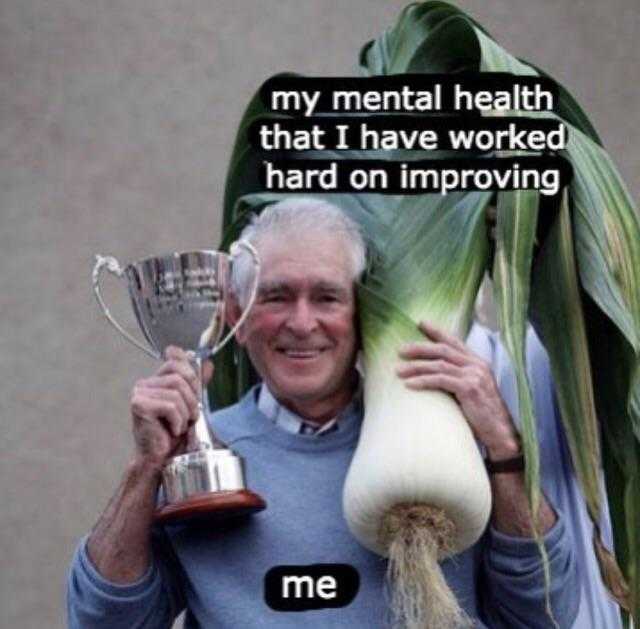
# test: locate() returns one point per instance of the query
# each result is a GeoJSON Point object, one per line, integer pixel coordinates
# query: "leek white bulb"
{"type": "Point", "coordinates": [415, 446]}
{"type": "Point", "coordinates": [416, 492]}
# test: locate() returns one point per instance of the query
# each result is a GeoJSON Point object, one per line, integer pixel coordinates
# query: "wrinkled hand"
{"type": "Point", "coordinates": [164, 409]}
{"type": "Point", "coordinates": [447, 364]}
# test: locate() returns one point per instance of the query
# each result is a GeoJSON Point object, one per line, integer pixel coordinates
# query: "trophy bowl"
{"type": "Point", "coordinates": [180, 299]}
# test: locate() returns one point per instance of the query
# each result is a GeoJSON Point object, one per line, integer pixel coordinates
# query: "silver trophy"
{"type": "Point", "coordinates": [180, 299]}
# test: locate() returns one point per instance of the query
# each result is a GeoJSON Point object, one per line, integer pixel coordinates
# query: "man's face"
{"type": "Point", "coordinates": [301, 334]}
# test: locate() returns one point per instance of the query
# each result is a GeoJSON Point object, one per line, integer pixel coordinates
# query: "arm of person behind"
{"type": "Point", "coordinates": [596, 610]}
{"type": "Point", "coordinates": [514, 590]}
{"type": "Point", "coordinates": [124, 574]}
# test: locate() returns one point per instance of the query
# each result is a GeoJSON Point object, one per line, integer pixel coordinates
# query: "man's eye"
{"type": "Point", "coordinates": [328, 299]}
{"type": "Point", "coordinates": [271, 299]}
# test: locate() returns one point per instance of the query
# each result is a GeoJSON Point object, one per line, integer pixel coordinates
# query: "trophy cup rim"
{"type": "Point", "coordinates": [177, 254]}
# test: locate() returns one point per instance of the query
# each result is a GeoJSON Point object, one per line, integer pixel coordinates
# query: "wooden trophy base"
{"type": "Point", "coordinates": [210, 506]}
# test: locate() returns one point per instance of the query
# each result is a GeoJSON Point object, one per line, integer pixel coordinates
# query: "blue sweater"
{"type": "Point", "coordinates": [218, 571]}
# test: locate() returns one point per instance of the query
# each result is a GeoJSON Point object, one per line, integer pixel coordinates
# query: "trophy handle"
{"type": "Point", "coordinates": [234, 250]}
{"type": "Point", "coordinates": [113, 266]}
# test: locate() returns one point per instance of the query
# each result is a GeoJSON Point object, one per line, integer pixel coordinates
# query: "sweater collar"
{"type": "Point", "coordinates": [293, 423]}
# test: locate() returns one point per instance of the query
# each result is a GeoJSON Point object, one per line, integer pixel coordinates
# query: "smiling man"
{"type": "Point", "coordinates": [297, 431]}
{"type": "Point", "coordinates": [301, 333]}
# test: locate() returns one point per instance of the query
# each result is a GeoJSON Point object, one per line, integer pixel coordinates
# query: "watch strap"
{"type": "Point", "coordinates": [506, 466]}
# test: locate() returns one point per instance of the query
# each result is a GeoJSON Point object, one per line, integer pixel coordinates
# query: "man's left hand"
{"type": "Point", "coordinates": [446, 363]}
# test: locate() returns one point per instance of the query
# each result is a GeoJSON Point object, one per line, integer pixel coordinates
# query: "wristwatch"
{"type": "Point", "coordinates": [514, 464]}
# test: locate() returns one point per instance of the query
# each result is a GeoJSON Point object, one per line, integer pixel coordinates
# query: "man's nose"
{"type": "Point", "coordinates": [302, 319]}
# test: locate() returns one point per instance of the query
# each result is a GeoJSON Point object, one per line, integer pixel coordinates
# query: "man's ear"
{"type": "Point", "coordinates": [232, 315]}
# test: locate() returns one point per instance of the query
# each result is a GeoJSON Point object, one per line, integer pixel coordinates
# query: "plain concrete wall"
{"type": "Point", "coordinates": [117, 120]}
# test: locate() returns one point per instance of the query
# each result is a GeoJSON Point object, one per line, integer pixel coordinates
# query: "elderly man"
{"type": "Point", "coordinates": [298, 430]}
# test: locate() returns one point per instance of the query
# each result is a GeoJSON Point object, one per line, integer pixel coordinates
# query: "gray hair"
{"type": "Point", "coordinates": [304, 215]}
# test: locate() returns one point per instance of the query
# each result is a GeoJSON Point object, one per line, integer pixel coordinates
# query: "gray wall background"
{"type": "Point", "coordinates": [116, 124]}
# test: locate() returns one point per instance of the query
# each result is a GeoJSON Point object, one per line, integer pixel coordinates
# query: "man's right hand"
{"type": "Point", "coordinates": [164, 408]}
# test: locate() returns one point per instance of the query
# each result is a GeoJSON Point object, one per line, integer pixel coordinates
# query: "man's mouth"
{"type": "Point", "coordinates": [301, 354]}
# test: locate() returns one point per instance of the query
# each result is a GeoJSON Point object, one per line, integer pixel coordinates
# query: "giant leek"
{"type": "Point", "coordinates": [581, 290]}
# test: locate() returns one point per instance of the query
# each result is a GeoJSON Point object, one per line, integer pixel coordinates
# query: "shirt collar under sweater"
{"type": "Point", "coordinates": [293, 423]}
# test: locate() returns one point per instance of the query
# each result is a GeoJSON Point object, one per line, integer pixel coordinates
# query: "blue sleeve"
{"type": "Point", "coordinates": [558, 480]}
{"type": "Point", "coordinates": [152, 602]}
{"type": "Point", "coordinates": [514, 591]}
